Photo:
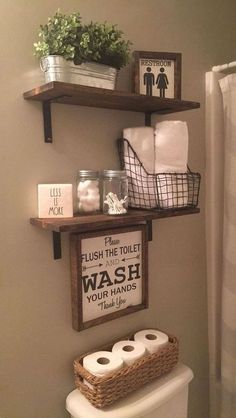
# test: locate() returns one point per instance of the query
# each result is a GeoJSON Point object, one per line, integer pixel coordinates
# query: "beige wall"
{"type": "Point", "coordinates": [38, 344]}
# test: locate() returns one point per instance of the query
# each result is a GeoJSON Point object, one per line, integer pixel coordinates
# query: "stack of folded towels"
{"type": "Point", "coordinates": [163, 152]}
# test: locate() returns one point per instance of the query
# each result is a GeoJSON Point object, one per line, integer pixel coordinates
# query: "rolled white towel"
{"type": "Point", "coordinates": [141, 140]}
{"type": "Point", "coordinates": [172, 190]}
{"type": "Point", "coordinates": [171, 147]}
{"type": "Point", "coordinates": [171, 156]}
{"type": "Point", "coordinates": [142, 186]}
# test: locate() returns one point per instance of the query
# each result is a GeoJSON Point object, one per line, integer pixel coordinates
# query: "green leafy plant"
{"type": "Point", "coordinates": [102, 43]}
{"type": "Point", "coordinates": [98, 42]}
{"type": "Point", "coordinates": [58, 36]}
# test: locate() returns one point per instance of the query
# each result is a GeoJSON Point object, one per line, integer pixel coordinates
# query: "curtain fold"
{"type": "Point", "coordinates": [221, 240]}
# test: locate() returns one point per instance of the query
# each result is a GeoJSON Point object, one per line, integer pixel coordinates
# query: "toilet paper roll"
{"type": "Point", "coordinates": [101, 363]}
{"type": "Point", "coordinates": [152, 339]}
{"type": "Point", "coordinates": [129, 351]}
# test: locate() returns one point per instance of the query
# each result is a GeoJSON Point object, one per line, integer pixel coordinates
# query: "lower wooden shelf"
{"type": "Point", "coordinates": [83, 223]}
{"type": "Point", "coordinates": [98, 222]}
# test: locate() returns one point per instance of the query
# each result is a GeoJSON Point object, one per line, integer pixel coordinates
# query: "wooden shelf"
{"type": "Point", "coordinates": [94, 222]}
{"type": "Point", "coordinates": [101, 222]}
{"type": "Point", "coordinates": [74, 94]}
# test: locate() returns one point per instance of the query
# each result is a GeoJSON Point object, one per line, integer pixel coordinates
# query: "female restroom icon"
{"type": "Point", "coordinates": [162, 82]}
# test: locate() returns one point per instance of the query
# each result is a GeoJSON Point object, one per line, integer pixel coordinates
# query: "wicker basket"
{"type": "Point", "coordinates": [162, 191]}
{"type": "Point", "coordinates": [106, 390]}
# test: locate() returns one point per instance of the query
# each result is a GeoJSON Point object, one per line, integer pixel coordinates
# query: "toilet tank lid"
{"type": "Point", "coordinates": [142, 401]}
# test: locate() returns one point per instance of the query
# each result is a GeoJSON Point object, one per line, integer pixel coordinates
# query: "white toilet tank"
{"type": "Point", "coordinates": [166, 397]}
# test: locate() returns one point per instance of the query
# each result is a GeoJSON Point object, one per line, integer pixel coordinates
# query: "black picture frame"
{"type": "Point", "coordinates": [158, 74]}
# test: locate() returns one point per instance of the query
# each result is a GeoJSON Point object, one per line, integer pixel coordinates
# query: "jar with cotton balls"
{"type": "Point", "coordinates": [88, 192]}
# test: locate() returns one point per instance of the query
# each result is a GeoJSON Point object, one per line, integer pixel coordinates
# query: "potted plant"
{"type": "Point", "coordinates": [84, 54]}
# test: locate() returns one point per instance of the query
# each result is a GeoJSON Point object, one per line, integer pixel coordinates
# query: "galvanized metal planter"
{"type": "Point", "coordinates": [56, 68]}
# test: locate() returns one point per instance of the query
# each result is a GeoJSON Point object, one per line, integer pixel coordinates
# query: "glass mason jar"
{"type": "Point", "coordinates": [115, 192]}
{"type": "Point", "coordinates": [88, 191]}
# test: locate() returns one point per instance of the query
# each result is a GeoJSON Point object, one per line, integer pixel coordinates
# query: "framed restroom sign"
{"type": "Point", "coordinates": [108, 274]}
{"type": "Point", "coordinates": [158, 74]}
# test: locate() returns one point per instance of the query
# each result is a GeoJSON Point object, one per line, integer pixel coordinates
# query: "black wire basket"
{"type": "Point", "coordinates": [160, 191]}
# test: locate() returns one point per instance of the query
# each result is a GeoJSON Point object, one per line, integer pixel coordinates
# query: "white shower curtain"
{"type": "Point", "coordinates": [221, 240]}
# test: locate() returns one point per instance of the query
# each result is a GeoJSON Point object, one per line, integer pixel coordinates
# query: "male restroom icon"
{"type": "Point", "coordinates": [148, 81]}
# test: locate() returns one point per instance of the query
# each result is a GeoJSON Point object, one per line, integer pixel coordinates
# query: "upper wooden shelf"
{"type": "Point", "coordinates": [75, 94]}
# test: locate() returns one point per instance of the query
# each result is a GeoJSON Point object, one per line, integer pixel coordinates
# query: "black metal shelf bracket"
{"type": "Point", "coordinates": [47, 121]}
{"type": "Point", "coordinates": [47, 117]}
{"type": "Point", "coordinates": [149, 230]}
{"type": "Point", "coordinates": [56, 236]}
{"type": "Point", "coordinates": [148, 119]}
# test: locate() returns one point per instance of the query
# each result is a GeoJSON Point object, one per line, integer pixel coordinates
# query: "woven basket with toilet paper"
{"type": "Point", "coordinates": [112, 371]}
{"type": "Point", "coordinates": [156, 164]}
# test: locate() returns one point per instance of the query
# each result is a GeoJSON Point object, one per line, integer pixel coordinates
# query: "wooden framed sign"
{"type": "Point", "coordinates": [158, 74]}
{"type": "Point", "coordinates": [109, 274]}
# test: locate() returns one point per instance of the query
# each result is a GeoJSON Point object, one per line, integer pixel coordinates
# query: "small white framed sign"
{"type": "Point", "coordinates": [109, 275]}
{"type": "Point", "coordinates": [55, 201]}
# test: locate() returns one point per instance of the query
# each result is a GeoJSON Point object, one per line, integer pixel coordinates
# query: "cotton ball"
{"type": "Point", "coordinates": [89, 203]}
{"type": "Point", "coordinates": [94, 199]}
{"type": "Point", "coordinates": [93, 190]}
{"type": "Point", "coordinates": [80, 207]}
{"type": "Point", "coordinates": [87, 199]}
{"type": "Point", "coordinates": [88, 194]}
{"type": "Point", "coordinates": [97, 205]}
{"type": "Point", "coordinates": [88, 183]}
{"type": "Point", "coordinates": [94, 193]}
{"type": "Point", "coordinates": [81, 194]}
{"type": "Point", "coordinates": [81, 189]}
{"type": "Point", "coordinates": [93, 184]}
{"type": "Point", "coordinates": [84, 198]}
{"type": "Point", "coordinates": [87, 186]}
{"type": "Point", "coordinates": [91, 200]}
{"type": "Point", "coordinates": [87, 207]}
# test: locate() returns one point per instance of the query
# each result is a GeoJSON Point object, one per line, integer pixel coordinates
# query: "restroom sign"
{"type": "Point", "coordinates": [158, 74]}
{"type": "Point", "coordinates": [109, 274]}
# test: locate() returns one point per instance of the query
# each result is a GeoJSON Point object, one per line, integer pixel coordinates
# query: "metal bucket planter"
{"type": "Point", "coordinates": [56, 68]}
